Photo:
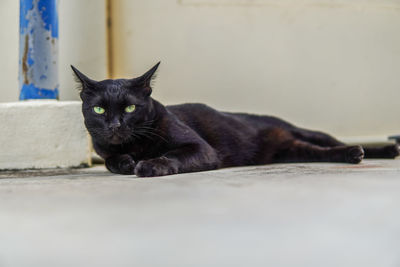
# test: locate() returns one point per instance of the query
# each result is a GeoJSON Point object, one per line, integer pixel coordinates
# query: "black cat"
{"type": "Point", "coordinates": [135, 134]}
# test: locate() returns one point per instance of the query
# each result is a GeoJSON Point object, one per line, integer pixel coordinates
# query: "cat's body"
{"type": "Point", "coordinates": [156, 140]}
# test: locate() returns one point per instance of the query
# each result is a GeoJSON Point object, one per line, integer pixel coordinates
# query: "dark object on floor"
{"type": "Point", "coordinates": [395, 138]}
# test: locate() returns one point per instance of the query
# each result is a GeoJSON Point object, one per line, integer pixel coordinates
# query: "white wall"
{"type": "Point", "coordinates": [82, 43]}
{"type": "Point", "coordinates": [9, 27]}
{"type": "Point", "coordinates": [330, 65]}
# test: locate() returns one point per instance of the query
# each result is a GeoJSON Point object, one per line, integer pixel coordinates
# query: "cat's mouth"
{"type": "Point", "coordinates": [115, 139]}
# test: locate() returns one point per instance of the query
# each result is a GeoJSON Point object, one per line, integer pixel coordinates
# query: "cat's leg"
{"type": "Point", "coordinates": [325, 140]}
{"type": "Point", "coordinates": [186, 158]}
{"type": "Point", "coordinates": [300, 151]}
{"type": "Point", "coordinates": [316, 137]}
{"type": "Point", "coordinates": [121, 164]}
{"type": "Point", "coordinates": [279, 145]}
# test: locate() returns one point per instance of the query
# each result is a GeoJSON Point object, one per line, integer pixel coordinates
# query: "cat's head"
{"type": "Point", "coordinates": [115, 111]}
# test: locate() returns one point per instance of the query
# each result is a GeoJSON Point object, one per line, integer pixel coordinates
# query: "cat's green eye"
{"type": "Point", "coordinates": [99, 110]}
{"type": "Point", "coordinates": [130, 108]}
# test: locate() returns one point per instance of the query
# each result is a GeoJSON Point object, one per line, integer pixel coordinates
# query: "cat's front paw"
{"type": "Point", "coordinates": [354, 154]}
{"type": "Point", "coordinates": [121, 164]}
{"type": "Point", "coordinates": [156, 167]}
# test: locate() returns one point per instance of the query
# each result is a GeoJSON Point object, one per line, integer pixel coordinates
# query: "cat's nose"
{"type": "Point", "coordinates": [114, 125]}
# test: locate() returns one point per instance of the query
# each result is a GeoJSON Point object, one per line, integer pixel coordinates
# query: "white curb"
{"type": "Point", "coordinates": [42, 134]}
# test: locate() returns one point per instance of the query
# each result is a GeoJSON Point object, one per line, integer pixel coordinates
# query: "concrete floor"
{"type": "Point", "coordinates": [276, 215]}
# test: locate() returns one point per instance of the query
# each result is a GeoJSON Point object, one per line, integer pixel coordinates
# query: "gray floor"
{"type": "Point", "coordinates": [277, 215]}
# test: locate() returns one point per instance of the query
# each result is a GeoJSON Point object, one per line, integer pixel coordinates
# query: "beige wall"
{"type": "Point", "coordinates": [82, 43]}
{"type": "Point", "coordinates": [331, 65]}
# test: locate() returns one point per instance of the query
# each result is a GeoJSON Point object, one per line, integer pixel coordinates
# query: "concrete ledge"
{"type": "Point", "coordinates": [42, 134]}
{"type": "Point", "coordinates": [377, 140]}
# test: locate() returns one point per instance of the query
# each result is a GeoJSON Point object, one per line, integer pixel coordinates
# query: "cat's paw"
{"type": "Point", "coordinates": [354, 154]}
{"type": "Point", "coordinates": [156, 167]}
{"type": "Point", "coordinates": [391, 151]}
{"type": "Point", "coordinates": [121, 164]}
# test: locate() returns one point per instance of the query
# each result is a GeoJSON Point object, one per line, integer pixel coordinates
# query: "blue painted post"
{"type": "Point", "coordinates": [38, 49]}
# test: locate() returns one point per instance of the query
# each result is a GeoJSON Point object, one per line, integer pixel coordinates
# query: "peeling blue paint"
{"type": "Point", "coordinates": [49, 17]}
{"type": "Point", "coordinates": [38, 55]}
{"type": "Point", "coordinates": [29, 91]}
{"type": "Point", "coordinates": [23, 10]}
{"type": "Point", "coordinates": [30, 60]}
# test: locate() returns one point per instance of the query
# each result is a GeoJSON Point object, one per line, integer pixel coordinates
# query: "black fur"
{"type": "Point", "coordinates": [159, 140]}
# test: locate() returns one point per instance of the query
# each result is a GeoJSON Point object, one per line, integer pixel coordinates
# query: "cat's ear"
{"type": "Point", "coordinates": [146, 79]}
{"type": "Point", "coordinates": [83, 79]}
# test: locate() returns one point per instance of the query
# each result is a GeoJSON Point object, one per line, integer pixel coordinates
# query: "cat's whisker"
{"type": "Point", "coordinates": [149, 128]}
{"type": "Point", "coordinates": [142, 134]}
{"type": "Point", "coordinates": [135, 136]}
{"type": "Point", "coordinates": [146, 131]}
